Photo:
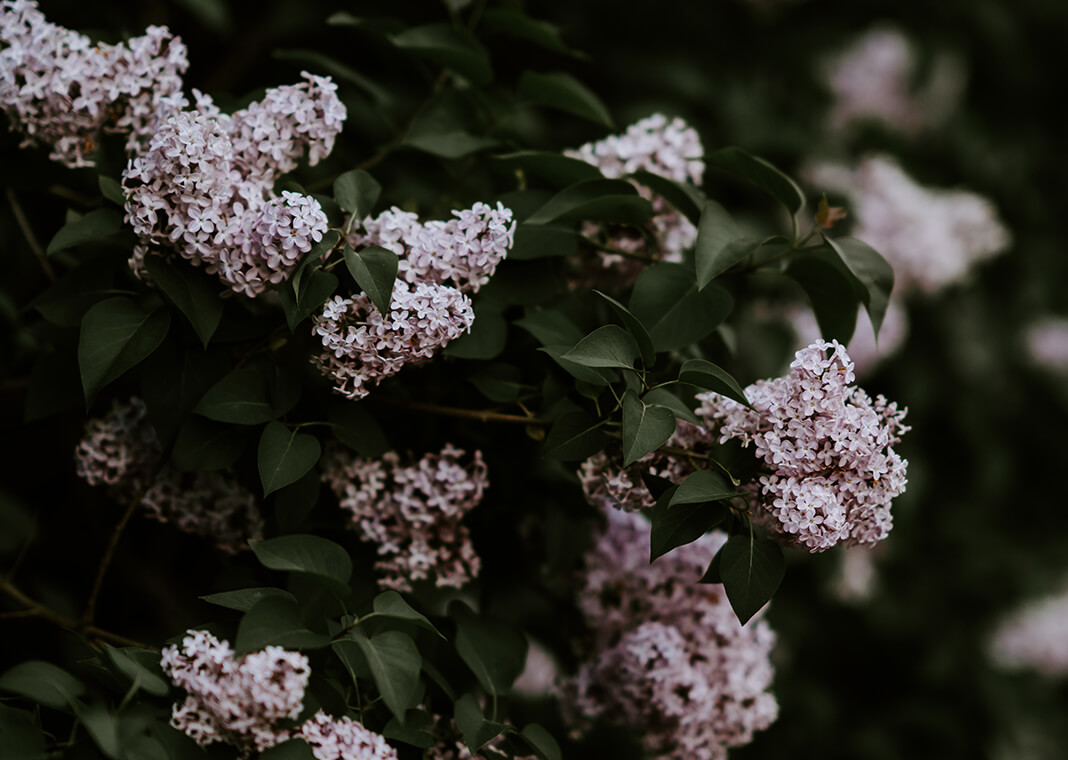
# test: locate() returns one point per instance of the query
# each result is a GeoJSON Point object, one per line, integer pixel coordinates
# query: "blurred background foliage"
{"type": "Point", "coordinates": [982, 526]}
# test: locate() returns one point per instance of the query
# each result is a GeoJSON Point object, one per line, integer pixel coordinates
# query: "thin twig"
{"type": "Point", "coordinates": [482, 415]}
{"type": "Point", "coordinates": [676, 452]}
{"type": "Point", "coordinates": [619, 251]}
{"type": "Point", "coordinates": [27, 232]}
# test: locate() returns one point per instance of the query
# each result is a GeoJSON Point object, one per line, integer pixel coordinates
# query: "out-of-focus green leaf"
{"type": "Point", "coordinates": [564, 93]}
{"type": "Point", "coordinates": [534, 241]}
{"type": "Point", "coordinates": [686, 197]}
{"type": "Point", "coordinates": [312, 556]}
{"type": "Point", "coordinates": [495, 651]}
{"type": "Point", "coordinates": [555, 168]}
{"type": "Point", "coordinates": [357, 192]}
{"type": "Point", "coordinates": [761, 173]}
{"type": "Point", "coordinates": [102, 225]}
{"type": "Point", "coordinates": [476, 730]}
{"type": "Point", "coordinates": [149, 680]}
{"type": "Point", "coordinates": [206, 445]}
{"type": "Point", "coordinates": [515, 23]}
{"type": "Point", "coordinates": [602, 200]}
{"type": "Point", "coordinates": [487, 338]}
{"type": "Point", "coordinates": [354, 426]}
{"type": "Point", "coordinates": [319, 62]}
{"type": "Point", "coordinates": [116, 336]}
{"type": "Point", "coordinates": [42, 682]}
{"type": "Point", "coordinates": [416, 729]}
{"type": "Point", "coordinates": [449, 47]}
{"type": "Point", "coordinates": [242, 398]}
{"type": "Point", "coordinates": [541, 741]}
{"type": "Point", "coordinates": [667, 300]}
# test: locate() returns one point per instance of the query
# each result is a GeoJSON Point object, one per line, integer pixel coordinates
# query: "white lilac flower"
{"type": "Point", "coordinates": [237, 700]}
{"type": "Point", "coordinates": [344, 739]}
{"type": "Point", "coordinates": [669, 659]}
{"type": "Point", "coordinates": [831, 470]}
{"type": "Point", "coordinates": [63, 92]}
{"type": "Point", "coordinates": [412, 513]}
{"type": "Point", "coordinates": [931, 237]}
{"type": "Point", "coordinates": [1033, 637]}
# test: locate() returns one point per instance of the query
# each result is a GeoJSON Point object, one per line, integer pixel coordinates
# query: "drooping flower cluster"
{"type": "Point", "coordinates": [120, 450]}
{"type": "Point", "coordinates": [361, 347]}
{"type": "Point", "coordinates": [670, 659]}
{"type": "Point", "coordinates": [237, 700]}
{"type": "Point", "coordinates": [666, 147]}
{"type": "Point", "coordinates": [607, 484]}
{"type": "Point", "coordinates": [827, 446]}
{"type": "Point", "coordinates": [344, 739]}
{"type": "Point", "coordinates": [1033, 637]}
{"type": "Point", "coordinates": [874, 79]}
{"type": "Point", "coordinates": [412, 513]}
{"type": "Point", "coordinates": [439, 263]}
{"type": "Point", "coordinates": [931, 237]}
{"type": "Point", "coordinates": [62, 91]}
{"type": "Point", "coordinates": [204, 187]}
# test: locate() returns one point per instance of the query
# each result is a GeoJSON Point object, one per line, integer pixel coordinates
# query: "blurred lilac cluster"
{"type": "Point", "coordinates": [412, 513]}
{"type": "Point", "coordinates": [1033, 637]}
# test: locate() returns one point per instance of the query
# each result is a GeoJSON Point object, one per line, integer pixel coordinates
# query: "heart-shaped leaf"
{"type": "Point", "coordinates": [285, 455]}
{"type": "Point", "coordinates": [645, 428]}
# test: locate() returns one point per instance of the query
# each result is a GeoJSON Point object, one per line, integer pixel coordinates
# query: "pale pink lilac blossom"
{"type": "Point", "coordinates": [931, 237]}
{"type": "Point", "coordinates": [1046, 341]}
{"type": "Point", "coordinates": [1034, 637]}
{"type": "Point", "coordinates": [831, 470]}
{"type": "Point", "coordinates": [120, 450]}
{"type": "Point", "coordinates": [412, 513]}
{"type": "Point", "coordinates": [204, 187]}
{"type": "Point", "coordinates": [344, 739]}
{"type": "Point", "coordinates": [63, 92]}
{"type": "Point", "coordinates": [669, 658]}
{"type": "Point", "coordinates": [241, 701]}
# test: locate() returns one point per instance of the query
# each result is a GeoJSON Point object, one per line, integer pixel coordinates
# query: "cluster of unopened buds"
{"type": "Point", "coordinates": [439, 263]}
{"type": "Point", "coordinates": [670, 658]}
{"type": "Point", "coordinates": [412, 512]}
{"type": "Point", "coordinates": [248, 701]}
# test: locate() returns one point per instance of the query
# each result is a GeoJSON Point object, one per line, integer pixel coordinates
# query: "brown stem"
{"type": "Point", "coordinates": [482, 415]}
{"type": "Point", "coordinates": [109, 553]}
{"type": "Point", "coordinates": [27, 232]}
{"type": "Point", "coordinates": [677, 452]}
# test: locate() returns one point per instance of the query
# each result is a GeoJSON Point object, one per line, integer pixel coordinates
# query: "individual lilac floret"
{"type": "Point", "coordinates": [361, 347]}
{"type": "Point", "coordinates": [1033, 637]}
{"type": "Point", "coordinates": [344, 739]}
{"type": "Point", "coordinates": [607, 484]}
{"type": "Point", "coordinates": [670, 659]}
{"type": "Point", "coordinates": [62, 91]}
{"type": "Point", "coordinates": [932, 237]}
{"type": "Point", "coordinates": [239, 701]}
{"type": "Point", "coordinates": [120, 450]}
{"type": "Point", "coordinates": [204, 187]}
{"type": "Point", "coordinates": [463, 252]}
{"type": "Point", "coordinates": [666, 147]}
{"type": "Point", "coordinates": [874, 79]}
{"type": "Point", "coordinates": [827, 447]}
{"type": "Point", "coordinates": [412, 513]}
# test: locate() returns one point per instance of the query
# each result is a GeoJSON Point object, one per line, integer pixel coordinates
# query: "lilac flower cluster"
{"type": "Point", "coordinates": [667, 147]}
{"type": "Point", "coordinates": [412, 513]}
{"type": "Point", "coordinates": [203, 187]}
{"type": "Point", "coordinates": [344, 739]}
{"type": "Point", "coordinates": [361, 347]}
{"type": "Point", "coordinates": [1033, 637]}
{"type": "Point", "coordinates": [120, 450]}
{"type": "Point", "coordinates": [828, 447]}
{"type": "Point", "coordinates": [669, 658]}
{"type": "Point", "coordinates": [873, 80]}
{"type": "Point", "coordinates": [62, 91]}
{"type": "Point", "coordinates": [931, 237]}
{"type": "Point", "coordinates": [462, 252]}
{"type": "Point", "coordinates": [607, 484]}
{"type": "Point", "coordinates": [240, 701]}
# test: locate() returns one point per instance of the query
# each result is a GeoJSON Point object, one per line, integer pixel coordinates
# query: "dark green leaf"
{"type": "Point", "coordinates": [417, 729]}
{"type": "Point", "coordinates": [319, 62]}
{"type": "Point", "coordinates": [372, 24]}
{"type": "Point", "coordinates": [515, 23]}
{"type": "Point", "coordinates": [116, 335]}
{"type": "Point", "coordinates": [831, 292]}
{"type": "Point", "coordinates": [494, 650]}
{"type": "Point", "coordinates": [607, 346]}
{"type": "Point", "coordinates": [357, 192]}
{"type": "Point", "coordinates": [564, 93]}
{"type": "Point", "coordinates": [634, 327]}
{"type": "Point", "coordinates": [294, 503]}
{"type": "Point", "coordinates": [453, 144]}
{"type": "Point", "coordinates": [99, 226]}
{"type": "Point", "coordinates": [645, 428]}
{"type": "Point", "coordinates": [664, 397]}
{"type": "Point", "coordinates": [136, 672]}
{"type": "Point", "coordinates": [872, 271]}
{"type": "Point", "coordinates": [501, 383]}
{"type": "Point", "coordinates": [676, 313]}
{"type": "Point", "coordinates": [541, 741]}
{"type": "Point", "coordinates": [20, 737]}
{"type": "Point", "coordinates": [720, 243]}
{"type": "Point", "coordinates": [555, 168]}
{"type": "Point", "coordinates": [316, 288]}
{"type": "Point", "coordinates": [205, 445]}
{"type": "Point", "coordinates": [354, 426]}
{"type": "Point", "coordinates": [752, 569]}
{"type": "Point", "coordinates": [244, 599]}
{"type": "Point", "coordinates": [576, 435]}
{"type": "Point", "coordinates": [196, 294]}
{"type": "Point", "coordinates": [284, 456]}
{"type": "Point", "coordinates": [686, 197]}
{"type": "Point", "coordinates": [318, 251]}
{"type": "Point", "coordinates": [705, 374]}
{"type": "Point", "coordinates": [101, 725]}
{"type": "Point", "coordinates": [43, 682]}
{"type": "Point", "coordinates": [476, 730]}
{"type": "Point", "coordinates": [392, 605]}
{"type": "Point", "coordinates": [112, 190]}
{"type": "Point", "coordinates": [533, 241]}
{"type": "Point", "coordinates": [760, 173]}
{"type": "Point", "coordinates": [550, 327]}
{"type": "Point", "coordinates": [602, 200]}
{"type": "Point", "coordinates": [681, 524]}
{"type": "Point", "coordinates": [700, 487]}
{"type": "Point", "coordinates": [450, 47]}
{"type": "Point", "coordinates": [487, 338]}
{"type": "Point", "coordinates": [374, 268]}
{"type": "Point", "coordinates": [307, 555]}
{"type": "Point", "coordinates": [395, 664]}
{"type": "Point", "coordinates": [275, 621]}
{"type": "Point", "coordinates": [65, 302]}
{"type": "Point", "coordinates": [241, 398]}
